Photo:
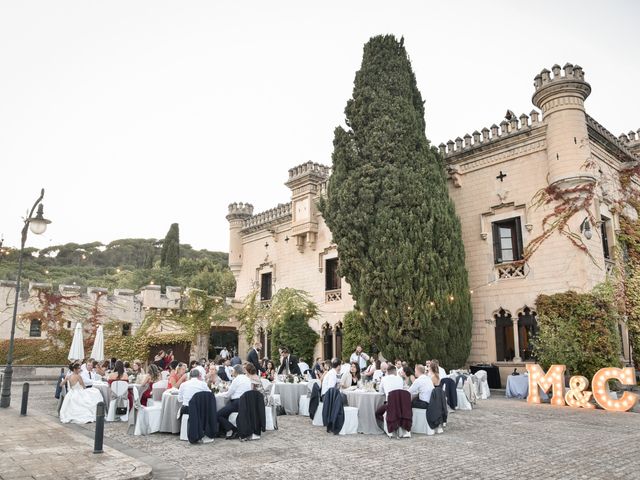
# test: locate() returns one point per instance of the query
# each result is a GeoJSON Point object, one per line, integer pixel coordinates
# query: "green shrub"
{"type": "Point", "coordinates": [578, 330]}
{"type": "Point", "coordinates": [294, 332]}
{"type": "Point", "coordinates": [354, 334]}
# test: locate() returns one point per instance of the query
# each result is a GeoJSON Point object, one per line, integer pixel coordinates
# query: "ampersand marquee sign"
{"type": "Point", "coordinates": [577, 396]}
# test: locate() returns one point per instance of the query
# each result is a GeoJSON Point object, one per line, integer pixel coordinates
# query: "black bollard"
{"type": "Point", "coordinates": [25, 399]}
{"type": "Point", "coordinates": [97, 446]}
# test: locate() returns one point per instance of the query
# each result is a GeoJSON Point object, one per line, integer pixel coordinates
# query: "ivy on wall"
{"type": "Point", "coordinates": [27, 351]}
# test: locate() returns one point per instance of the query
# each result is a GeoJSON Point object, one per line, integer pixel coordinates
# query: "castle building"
{"type": "Point", "coordinates": [494, 177]}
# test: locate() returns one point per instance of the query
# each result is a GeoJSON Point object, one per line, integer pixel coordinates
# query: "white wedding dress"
{"type": "Point", "coordinates": [79, 405]}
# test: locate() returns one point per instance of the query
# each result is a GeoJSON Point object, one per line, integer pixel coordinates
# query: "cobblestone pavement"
{"type": "Point", "coordinates": [500, 439]}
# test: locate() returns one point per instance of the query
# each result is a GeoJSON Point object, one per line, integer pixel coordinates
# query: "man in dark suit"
{"type": "Point", "coordinates": [254, 356]}
{"type": "Point", "coordinates": [289, 362]}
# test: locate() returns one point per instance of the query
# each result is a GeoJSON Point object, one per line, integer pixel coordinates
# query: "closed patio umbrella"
{"type": "Point", "coordinates": [77, 348]}
{"type": "Point", "coordinates": [97, 352]}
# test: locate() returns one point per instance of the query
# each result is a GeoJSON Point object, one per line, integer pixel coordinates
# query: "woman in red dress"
{"type": "Point", "coordinates": [154, 375]}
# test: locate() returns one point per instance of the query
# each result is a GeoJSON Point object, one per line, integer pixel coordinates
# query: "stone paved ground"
{"type": "Point", "coordinates": [500, 439]}
{"type": "Point", "coordinates": [39, 447]}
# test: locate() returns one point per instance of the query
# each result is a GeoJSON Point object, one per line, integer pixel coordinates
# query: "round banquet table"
{"type": "Point", "coordinates": [290, 394]}
{"type": "Point", "coordinates": [367, 404]}
{"type": "Point", "coordinates": [171, 406]}
{"type": "Point", "coordinates": [105, 390]}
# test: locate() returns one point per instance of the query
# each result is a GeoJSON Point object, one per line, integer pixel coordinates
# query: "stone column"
{"type": "Point", "coordinates": [516, 341]}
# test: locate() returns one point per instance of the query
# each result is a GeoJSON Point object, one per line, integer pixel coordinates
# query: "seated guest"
{"type": "Point", "coordinates": [212, 376]}
{"type": "Point", "coordinates": [127, 367]}
{"type": "Point", "coordinates": [79, 405]}
{"type": "Point", "coordinates": [270, 371]}
{"type": "Point", "coordinates": [222, 371]}
{"type": "Point", "coordinates": [351, 378]}
{"type": "Point", "coordinates": [421, 388]}
{"type": "Point", "coordinates": [288, 363]}
{"type": "Point", "coordinates": [256, 381]}
{"type": "Point", "coordinates": [168, 358]}
{"type": "Point", "coordinates": [178, 374]}
{"type": "Point", "coordinates": [330, 378]}
{"type": "Point", "coordinates": [435, 373]}
{"type": "Point", "coordinates": [239, 385]}
{"type": "Point", "coordinates": [119, 375]}
{"type": "Point", "coordinates": [86, 372]}
{"type": "Point", "coordinates": [441, 372]}
{"type": "Point", "coordinates": [101, 368]}
{"type": "Point", "coordinates": [407, 376]}
{"type": "Point", "coordinates": [235, 360]}
{"type": "Point", "coordinates": [388, 383]}
{"type": "Point", "coordinates": [189, 388]}
{"type": "Point", "coordinates": [137, 375]}
{"type": "Point", "coordinates": [344, 368]}
{"type": "Point", "coordinates": [371, 369]}
{"type": "Point", "coordinates": [154, 374]}
{"type": "Point", "coordinates": [303, 366]}
{"type": "Point", "coordinates": [195, 365]}
{"type": "Point", "coordinates": [380, 372]}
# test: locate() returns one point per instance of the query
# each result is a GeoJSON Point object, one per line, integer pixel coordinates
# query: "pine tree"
{"type": "Point", "coordinates": [396, 229]}
{"type": "Point", "coordinates": [170, 253]}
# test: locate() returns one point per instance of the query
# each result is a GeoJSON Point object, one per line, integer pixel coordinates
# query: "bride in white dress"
{"type": "Point", "coordinates": [79, 405]}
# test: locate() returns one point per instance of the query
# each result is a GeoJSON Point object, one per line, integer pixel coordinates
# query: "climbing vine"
{"type": "Point", "coordinates": [285, 302]}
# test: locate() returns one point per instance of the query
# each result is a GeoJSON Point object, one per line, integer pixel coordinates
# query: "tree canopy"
{"type": "Point", "coordinates": [388, 209]}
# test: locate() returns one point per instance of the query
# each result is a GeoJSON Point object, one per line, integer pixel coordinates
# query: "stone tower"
{"type": "Point", "coordinates": [238, 213]}
{"type": "Point", "coordinates": [561, 99]}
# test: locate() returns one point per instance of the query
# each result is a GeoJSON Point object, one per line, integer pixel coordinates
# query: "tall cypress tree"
{"type": "Point", "coordinates": [170, 253]}
{"type": "Point", "coordinates": [390, 214]}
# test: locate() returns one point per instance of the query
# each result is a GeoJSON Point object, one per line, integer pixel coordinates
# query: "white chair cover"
{"type": "Point", "coordinates": [419, 423]}
{"type": "Point", "coordinates": [184, 425]}
{"type": "Point", "coordinates": [350, 426]}
{"type": "Point", "coordinates": [271, 418]}
{"type": "Point", "coordinates": [483, 390]}
{"type": "Point", "coordinates": [317, 418]}
{"type": "Point", "coordinates": [148, 418]}
{"type": "Point", "coordinates": [402, 433]}
{"type": "Point", "coordinates": [161, 384]}
{"type": "Point", "coordinates": [303, 406]}
{"type": "Point", "coordinates": [463, 401]}
{"type": "Point", "coordinates": [119, 390]}
{"type": "Point", "coordinates": [165, 375]}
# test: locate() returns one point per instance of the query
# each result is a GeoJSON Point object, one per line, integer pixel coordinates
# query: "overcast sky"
{"type": "Point", "coordinates": [133, 115]}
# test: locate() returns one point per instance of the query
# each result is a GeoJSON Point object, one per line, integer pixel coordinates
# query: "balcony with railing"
{"type": "Point", "coordinates": [510, 270]}
{"type": "Point", "coordinates": [332, 295]}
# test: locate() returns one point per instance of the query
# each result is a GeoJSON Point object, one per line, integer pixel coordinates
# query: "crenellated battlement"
{"type": "Point", "coordinates": [239, 210]}
{"type": "Point", "coordinates": [630, 138]}
{"type": "Point", "coordinates": [568, 72]}
{"type": "Point", "coordinates": [560, 88]}
{"type": "Point", "coordinates": [309, 168]}
{"type": "Point", "coordinates": [269, 217]}
{"type": "Point", "coordinates": [507, 128]}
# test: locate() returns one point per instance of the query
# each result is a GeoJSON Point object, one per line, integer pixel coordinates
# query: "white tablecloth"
{"type": "Point", "coordinates": [518, 387]}
{"type": "Point", "coordinates": [367, 404]}
{"type": "Point", "coordinates": [290, 394]}
{"type": "Point", "coordinates": [171, 406]}
{"type": "Point", "coordinates": [105, 390]}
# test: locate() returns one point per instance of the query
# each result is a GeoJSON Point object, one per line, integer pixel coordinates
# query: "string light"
{"type": "Point", "coordinates": [451, 298]}
{"type": "Point", "coordinates": [431, 304]}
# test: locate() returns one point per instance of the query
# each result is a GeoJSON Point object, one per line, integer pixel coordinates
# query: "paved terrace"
{"type": "Point", "coordinates": [500, 439]}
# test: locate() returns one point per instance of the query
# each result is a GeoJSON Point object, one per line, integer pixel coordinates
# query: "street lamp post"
{"type": "Point", "coordinates": [38, 225]}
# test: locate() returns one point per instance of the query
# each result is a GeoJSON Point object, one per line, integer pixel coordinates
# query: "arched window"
{"type": "Point", "coordinates": [35, 328]}
{"type": "Point", "coordinates": [505, 350]}
{"type": "Point", "coordinates": [338, 329]}
{"type": "Point", "coordinates": [527, 329]}
{"type": "Point", "coordinates": [327, 342]}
